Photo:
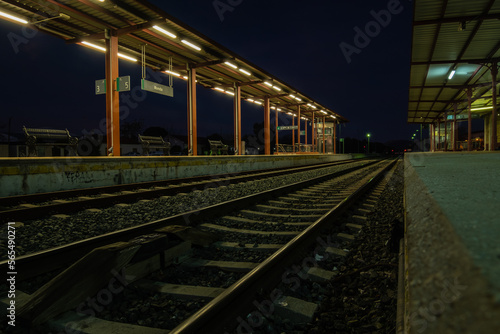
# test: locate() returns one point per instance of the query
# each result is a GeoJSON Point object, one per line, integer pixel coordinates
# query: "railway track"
{"type": "Point", "coordinates": [27, 207]}
{"type": "Point", "coordinates": [268, 232]}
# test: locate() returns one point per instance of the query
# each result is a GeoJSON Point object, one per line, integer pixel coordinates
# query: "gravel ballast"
{"type": "Point", "coordinates": [362, 296]}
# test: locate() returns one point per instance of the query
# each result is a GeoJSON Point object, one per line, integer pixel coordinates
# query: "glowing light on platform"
{"type": "Point", "coordinates": [165, 32]}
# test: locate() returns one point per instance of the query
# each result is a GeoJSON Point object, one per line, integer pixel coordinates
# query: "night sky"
{"type": "Point", "coordinates": [47, 83]}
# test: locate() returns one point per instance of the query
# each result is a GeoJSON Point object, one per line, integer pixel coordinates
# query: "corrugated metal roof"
{"type": "Point", "coordinates": [87, 20]}
{"type": "Point", "coordinates": [458, 35]}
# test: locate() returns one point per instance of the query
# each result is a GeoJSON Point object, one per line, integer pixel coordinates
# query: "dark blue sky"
{"type": "Point", "coordinates": [46, 83]}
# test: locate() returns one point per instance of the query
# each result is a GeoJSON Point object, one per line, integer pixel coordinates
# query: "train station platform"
{"type": "Point", "coordinates": [452, 242]}
{"type": "Point", "coordinates": [20, 176]}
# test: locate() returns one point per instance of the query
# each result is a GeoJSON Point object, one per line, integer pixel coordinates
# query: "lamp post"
{"type": "Point", "coordinates": [368, 146]}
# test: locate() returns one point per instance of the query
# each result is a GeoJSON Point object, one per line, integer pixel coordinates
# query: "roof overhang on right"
{"type": "Point", "coordinates": [455, 45]}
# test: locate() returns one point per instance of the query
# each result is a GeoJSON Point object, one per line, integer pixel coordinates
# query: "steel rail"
{"type": "Point", "coordinates": [221, 313]}
{"type": "Point", "coordinates": [35, 264]}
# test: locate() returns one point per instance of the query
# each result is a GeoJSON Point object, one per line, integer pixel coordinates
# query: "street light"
{"type": "Point", "coordinates": [368, 146]}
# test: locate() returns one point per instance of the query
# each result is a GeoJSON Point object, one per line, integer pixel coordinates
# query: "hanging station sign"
{"type": "Point", "coordinates": [463, 116]}
{"type": "Point", "coordinates": [288, 127]}
{"type": "Point", "coordinates": [122, 85]}
{"type": "Point", "coordinates": [100, 87]}
{"type": "Point", "coordinates": [157, 88]}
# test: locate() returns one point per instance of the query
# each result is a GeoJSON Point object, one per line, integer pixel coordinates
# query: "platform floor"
{"type": "Point", "coordinates": [452, 244]}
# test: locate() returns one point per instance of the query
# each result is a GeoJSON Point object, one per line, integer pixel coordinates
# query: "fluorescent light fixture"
{"type": "Point", "coordinates": [173, 73]}
{"type": "Point", "coordinates": [257, 102]}
{"type": "Point", "coordinates": [333, 117]}
{"type": "Point", "coordinates": [279, 109]}
{"type": "Point", "coordinates": [244, 71]}
{"type": "Point", "coordinates": [191, 45]}
{"type": "Point", "coordinates": [273, 108]}
{"type": "Point", "coordinates": [483, 108]}
{"type": "Point", "coordinates": [292, 96]}
{"type": "Point", "coordinates": [324, 112]}
{"type": "Point", "coordinates": [289, 113]}
{"type": "Point", "coordinates": [231, 65]}
{"type": "Point", "coordinates": [12, 17]}
{"type": "Point", "coordinates": [219, 89]}
{"type": "Point", "coordinates": [267, 83]}
{"type": "Point", "coordinates": [100, 48]}
{"type": "Point", "coordinates": [310, 105]}
{"type": "Point", "coordinates": [451, 74]}
{"type": "Point", "coordinates": [229, 92]}
{"type": "Point", "coordinates": [121, 55]}
{"type": "Point", "coordinates": [251, 100]}
{"type": "Point", "coordinates": [94, 46]}
{"type": "Point", "coordinates": [298, 99]}
{"type": "Point", "coordinates": [165, 32]}
{"type": "Point", "coordinates": [276, 88]}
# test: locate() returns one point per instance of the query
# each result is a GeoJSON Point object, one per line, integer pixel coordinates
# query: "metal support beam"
{"type": "Point", "coordinates": [433, 137]}
{"type": "Point", "coordinates": [487, 132]}
{"type": "Point", "coordinates": [298, 126]}
{"type": "Point", "coordinates": [237, 120]}
{"type": "Point", "coordinates": [112, 98]}
{"type": "Point", "coordinates": [267, 127]}
{"type": "Point", "coordinates": [494, 118]}
{"type": "Point", "coordinates": [192, 129]}
{"type": "Point", "coordinates": [439, 136]}
{"type": "Point", "coordinates": [293, 134]}
{"type": "Point", "coordinates": [469, 119]}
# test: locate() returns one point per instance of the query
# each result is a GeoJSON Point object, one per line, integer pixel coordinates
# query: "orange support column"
{"type": "Point", "coordinates": [298, 126]}
{"type": "Point", "coordinates": [313, 141]}
{"type": "Point", "coordinates": [276, 130]}
{"type": "Point", "coordinates": [334, 137]}
{"type": "Point", "coordinates": [324, 141]}
{"type": "Point", "coordinates": [237, 120]}
{"type": "Point", "coordinates": [494, 119]}
{"type": "Point", "coordinates": [112, 98]}
{"type": "Point", "coordinates": [267, 127]}
{"type": "Point", "coordinates": [192, 129]}
{"type": "Point", "coordinates": [305, 142]}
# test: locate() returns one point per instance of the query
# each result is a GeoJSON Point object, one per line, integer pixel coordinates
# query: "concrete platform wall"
{"type": "Point", "coordinates": [20, 176]}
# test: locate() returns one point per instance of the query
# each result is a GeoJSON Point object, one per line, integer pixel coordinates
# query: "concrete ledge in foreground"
{"type": "Point", "coordinates": [452, 243]}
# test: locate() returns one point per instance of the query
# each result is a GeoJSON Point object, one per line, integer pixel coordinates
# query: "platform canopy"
{"type": "Point", "coordinates": [171, 46]}
{"type": "Point", "coordinates": [456, 44]}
